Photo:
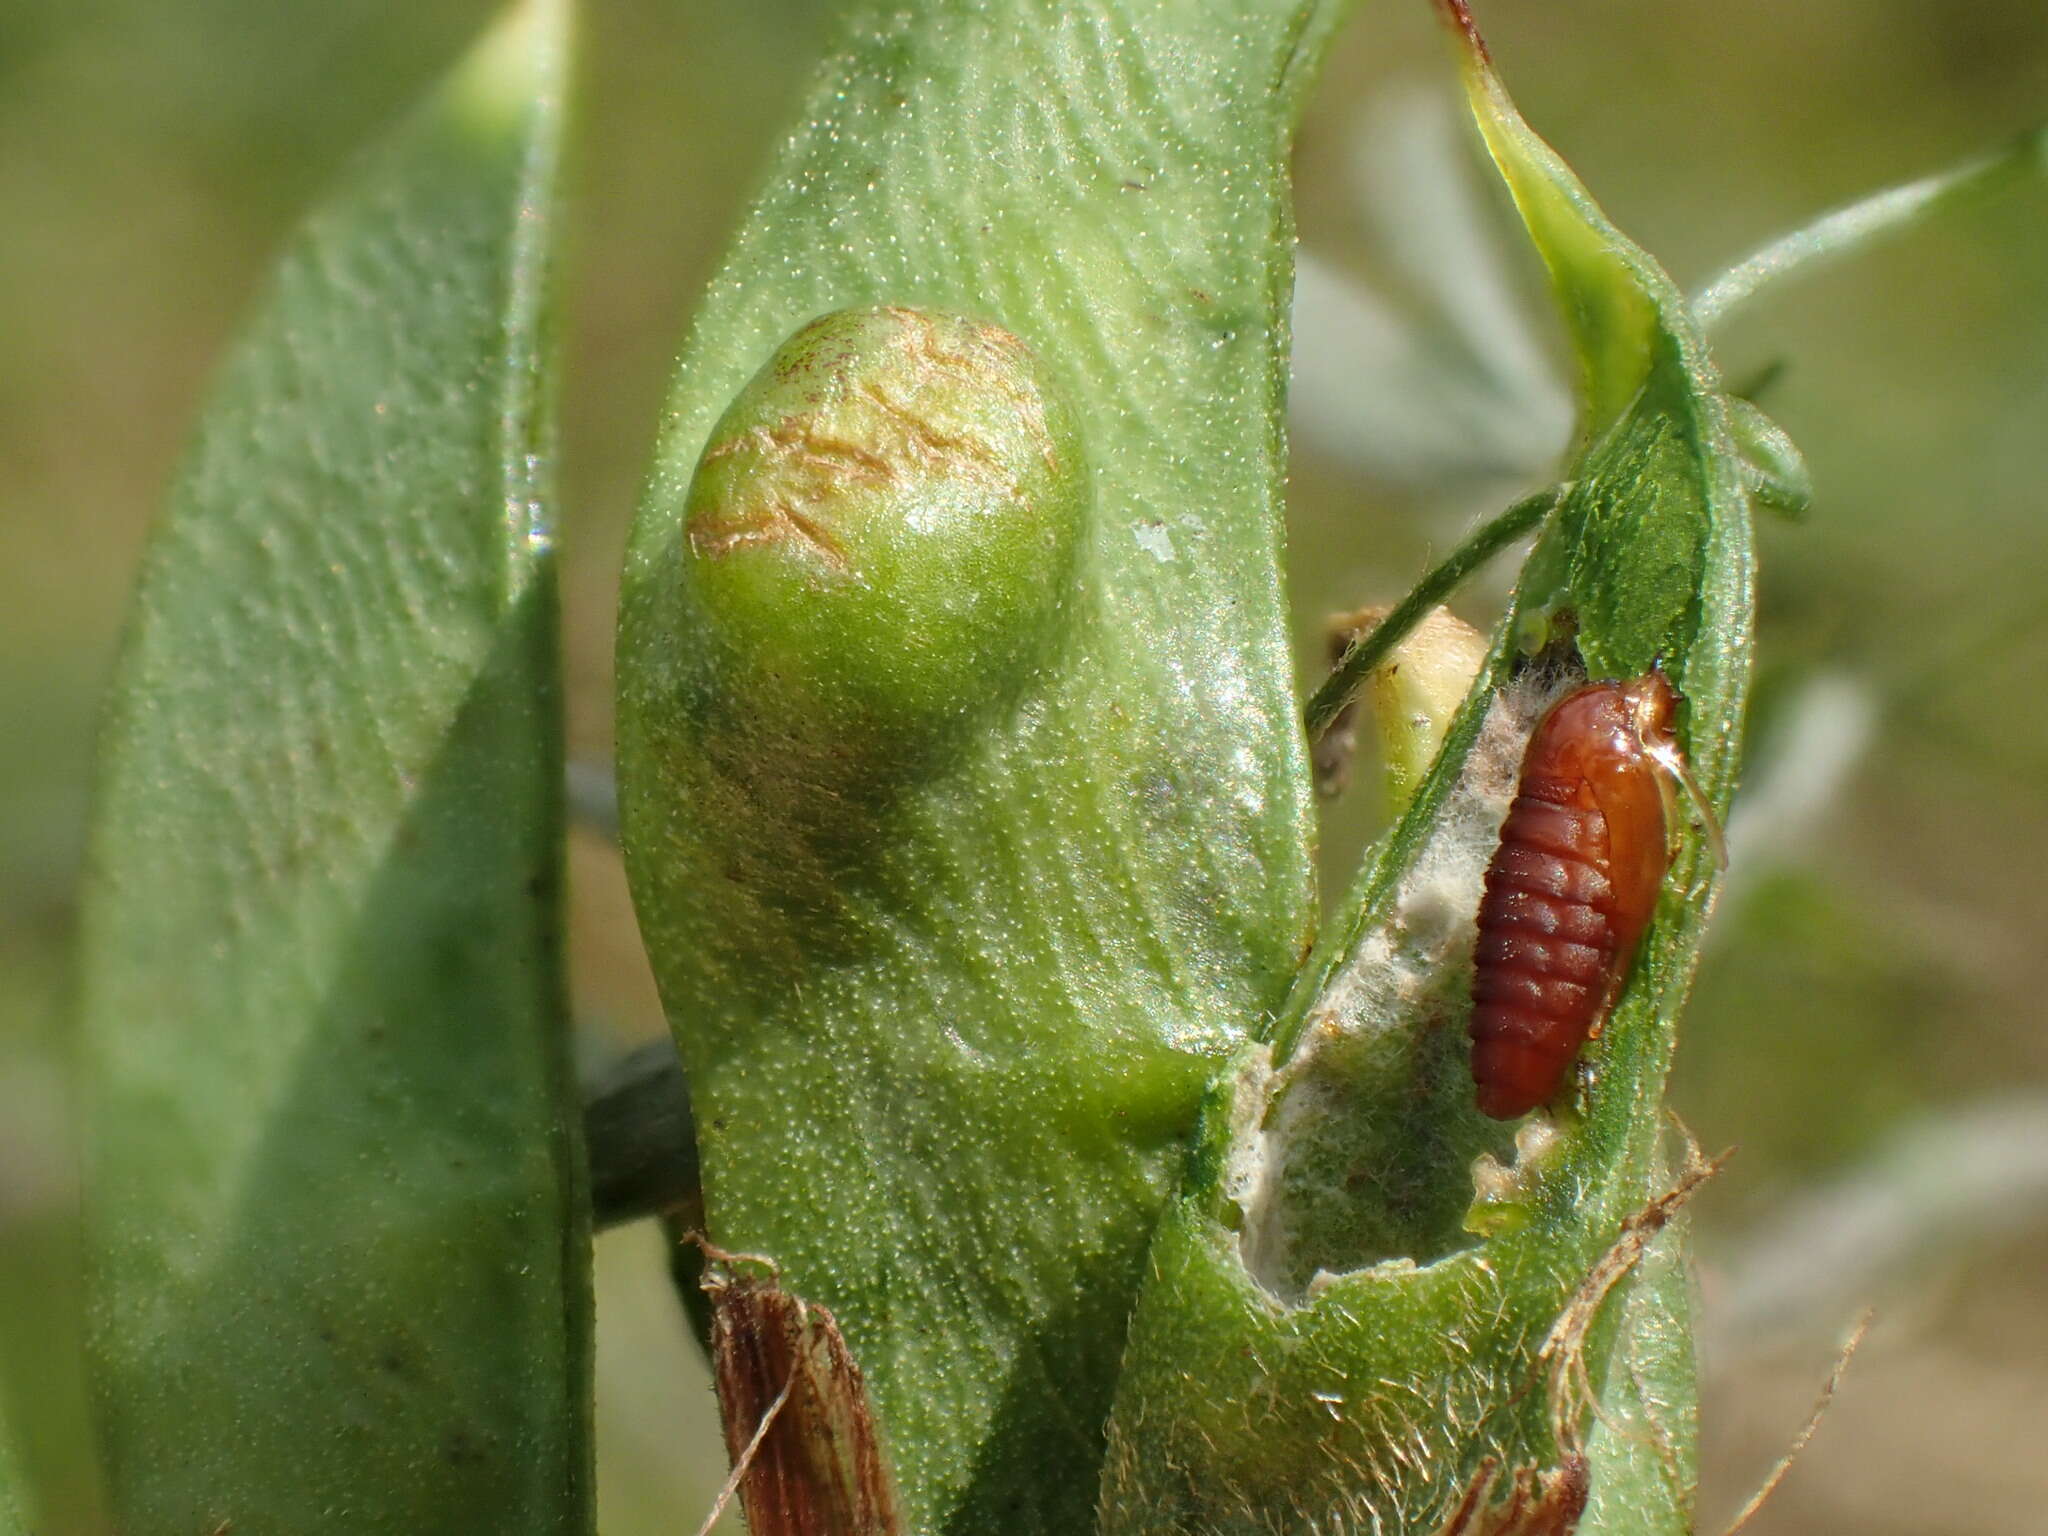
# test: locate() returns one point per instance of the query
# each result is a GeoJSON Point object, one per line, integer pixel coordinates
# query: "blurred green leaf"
{"type": "Point", "coordinates": [1431, 372]}
{"type": "Point", "coordinates": [947, 1089]}
{"type": "Point", "coordinates": [13, 1489]}
{"type": "Point", "coordinates": [337, 1247]}
{"type": "Point", "coordinates": [1869, 221]}
{"type": "Point", "coordinates": [1322, 1344]}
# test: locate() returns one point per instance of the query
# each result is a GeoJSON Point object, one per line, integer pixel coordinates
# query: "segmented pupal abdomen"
{"type": "Point", "coordinates": [1570, 888]}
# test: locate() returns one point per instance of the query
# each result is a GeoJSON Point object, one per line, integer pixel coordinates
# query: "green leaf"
{"type": "Point", "coordinates": [337, 1253]}
{"type": "Point", "coordinates": [1869, 221]}
{"type": "Point", "coordinates": [1642, 1445]}
{"type": "Point", "coordinates": [1772, 466]}
{"type": "Point", "coordinates": [947, 1030]}
{"type": "Point", "coordinates": [1323, 1345]}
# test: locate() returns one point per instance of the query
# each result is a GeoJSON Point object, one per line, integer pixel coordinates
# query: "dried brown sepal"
{"type": "Point", "coordinates": [799, 1426]}
{"type": "Point", "coordinates": [1331, 753]}
{"type": "Point", "coordinates": [1538, 1501]}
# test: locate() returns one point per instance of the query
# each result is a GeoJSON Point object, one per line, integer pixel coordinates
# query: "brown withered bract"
{"type": "Point", "coordinates": [1546, 1501]}
{"type": "Point", "coordinates": [1330, 754]}
{"type": "Point", "coordinates": [1571, 886]}
{"type": "Point", "coordinates": [819, 1467]}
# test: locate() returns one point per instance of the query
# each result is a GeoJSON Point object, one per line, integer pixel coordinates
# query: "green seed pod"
{"type": "Point", "coordinates": [879, 546]}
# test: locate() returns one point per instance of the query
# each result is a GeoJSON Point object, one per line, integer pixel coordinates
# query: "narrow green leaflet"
{"type": "Point", "coordinates": [1373, 1307]}
{"type": "Point", "coordinates": [949, 993]}
{"type": "Point", "coordinates": [1871, 220]}
{"type": "Point", "coordinates": [337, 1245]}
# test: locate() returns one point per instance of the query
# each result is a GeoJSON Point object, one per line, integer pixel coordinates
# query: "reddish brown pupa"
{"type": "Point", "coordinates": [1572, 885]}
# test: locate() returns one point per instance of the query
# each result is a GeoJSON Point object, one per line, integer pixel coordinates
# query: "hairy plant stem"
{"type": "Point", "coordinates": [1372, 648]}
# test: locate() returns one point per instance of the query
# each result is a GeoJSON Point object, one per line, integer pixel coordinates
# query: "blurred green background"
{"type": "Point", "coordinates": [1869, 1027]}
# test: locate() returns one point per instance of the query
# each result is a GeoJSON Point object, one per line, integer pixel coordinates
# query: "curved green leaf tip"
{"type": "Point", "coordinates": [519, 63]}
{"type": "Point", "coordinates": [1621, 574]}
{"type": "Point", "coordinates": [1606, 287]}
{"type": "Point", "coordinates": [337, 1248]}
{"type": "Point", "coordinates": [1375, 1310]}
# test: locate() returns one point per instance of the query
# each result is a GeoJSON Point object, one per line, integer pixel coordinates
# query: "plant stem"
{"type": "Point", "coordinates": [640, 1138]}
{"type": "Point", "coordinates": [1372, 649]}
